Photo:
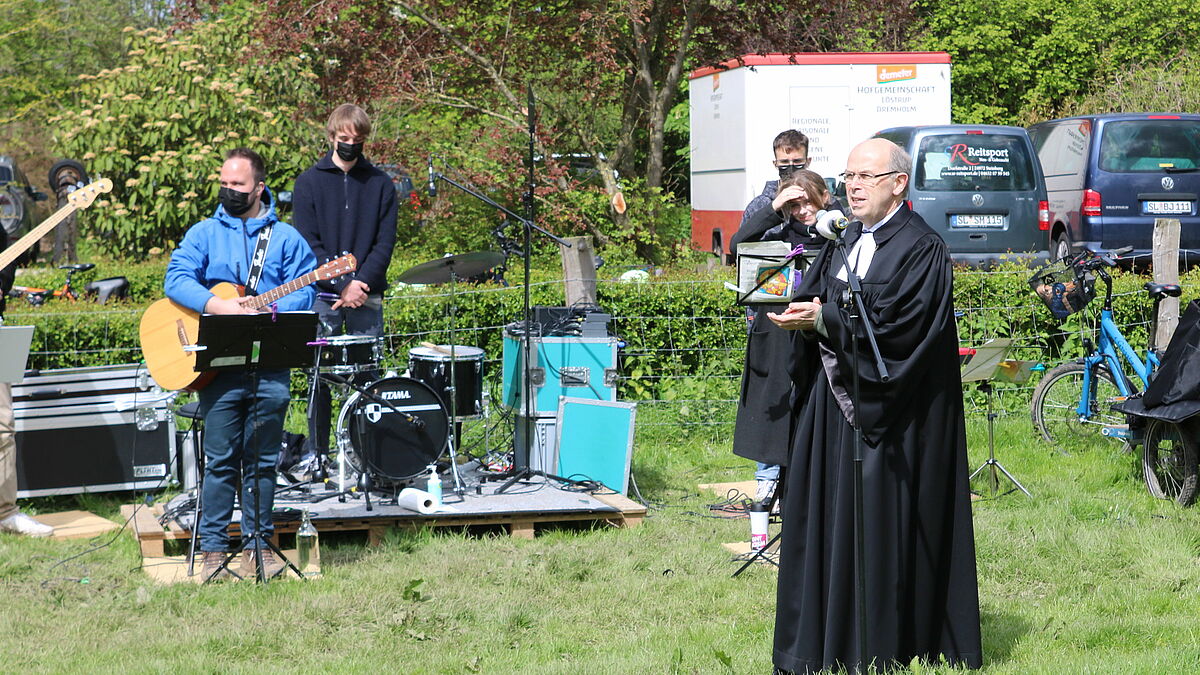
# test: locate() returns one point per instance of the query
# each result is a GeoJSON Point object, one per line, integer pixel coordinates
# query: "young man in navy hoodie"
{"type": "Point", "coordinates": [242, 419]}
{"type": "Point", "coordinates": [343, 204]}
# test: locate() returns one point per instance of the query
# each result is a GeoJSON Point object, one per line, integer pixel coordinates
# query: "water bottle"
{"type": "Point", "coordinates": [758, 526]}
{"type": "Point", "coordinates": [306, 544]}
{"type": "Point", "coordinates": [434, 485]}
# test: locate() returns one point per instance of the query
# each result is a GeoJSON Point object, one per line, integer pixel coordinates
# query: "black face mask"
{"type": "Point", "coordinates": [785, 171]}
{"type": "Point", "coordinates": [349, 152]}
{"type": "Point", "coordinates": [235, 203]}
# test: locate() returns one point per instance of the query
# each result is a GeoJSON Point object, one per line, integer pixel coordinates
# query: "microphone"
{"type": "Point", "coordinates": [432, 181]}
{"type": "Point", "coordinates": [830, 224]}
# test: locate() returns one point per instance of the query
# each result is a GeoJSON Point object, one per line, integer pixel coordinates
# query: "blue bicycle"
{"type": "Point", "coordinates": [1074, 399]}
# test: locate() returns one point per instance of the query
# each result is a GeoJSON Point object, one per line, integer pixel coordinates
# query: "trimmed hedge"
{"type": "Point", "coordinates": [683, 337]}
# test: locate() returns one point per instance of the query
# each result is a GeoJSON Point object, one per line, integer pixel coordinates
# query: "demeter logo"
{"type": "Point", "coordinates": [895, 73]}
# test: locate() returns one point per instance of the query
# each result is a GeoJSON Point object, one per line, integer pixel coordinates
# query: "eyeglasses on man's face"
{"type": "Point", "coordinates": [791, 163]}
{"type": "Point", "coordinates": [863, 177]}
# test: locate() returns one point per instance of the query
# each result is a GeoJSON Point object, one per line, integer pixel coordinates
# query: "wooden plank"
{"type": "Point", "coordinates": [579, 271]}
{"type": "Point", "coordinates": [1166, 271]}
{"type": "Point", "coordinates": [150, 534]}
{"type": "Point", "coordinates": [77, 524]}
{"type": "Point", "coordinates": [746, 487]}
{"type": "Point", "coordinates": [522, 529]}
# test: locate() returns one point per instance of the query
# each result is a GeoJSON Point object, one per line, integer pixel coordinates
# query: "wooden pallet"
{"type": "Point", "coordinates": [151, 536]}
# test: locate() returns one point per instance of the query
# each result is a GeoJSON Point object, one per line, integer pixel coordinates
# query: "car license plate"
{"type": "Point", "coordinates": [1174, 208]}
{"type": "Point", "coordinates": [974, 220]}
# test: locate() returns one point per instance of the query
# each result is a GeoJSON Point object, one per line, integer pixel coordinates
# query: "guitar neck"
{"type": "Point", "coordinates": [278, 292]}
{"type": "Point", "coordinates": [24, 243]}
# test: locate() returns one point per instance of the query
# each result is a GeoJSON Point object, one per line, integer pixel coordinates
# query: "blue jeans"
{"type": "Point", "coordinates": [365, 320]}
{"type": "Point", "coordinates": [766, 471]}
{"type": "Point", "coordinates": [240, 422]}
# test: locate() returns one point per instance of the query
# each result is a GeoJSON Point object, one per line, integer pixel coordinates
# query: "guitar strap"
{"type": "Point", "coordinates": [256, 263]}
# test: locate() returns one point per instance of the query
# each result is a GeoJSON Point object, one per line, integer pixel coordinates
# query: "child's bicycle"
{"type": "Point", "coordinates": [102, 289]}
{"type": "Point", "coordinates": [1073, 400]}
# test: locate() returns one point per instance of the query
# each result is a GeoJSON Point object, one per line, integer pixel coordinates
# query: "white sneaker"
{"type": "Point", "coordinates": [19, 523]}
{"type": "Point", "coordinates": [763, 490]}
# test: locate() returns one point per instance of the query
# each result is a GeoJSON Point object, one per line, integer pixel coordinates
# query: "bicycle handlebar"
{"type": "Point", "coordinates": [1093, 260]}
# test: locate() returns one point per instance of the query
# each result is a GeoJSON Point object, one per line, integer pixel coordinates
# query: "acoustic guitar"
{"type": "Point", "coordinates": [168, 329]}
{"type": "Point", "coordinates": [77, 199]}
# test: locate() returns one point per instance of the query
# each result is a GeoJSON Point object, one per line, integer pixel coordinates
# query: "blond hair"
{"type": "Point", "coordinates": [348, 115]}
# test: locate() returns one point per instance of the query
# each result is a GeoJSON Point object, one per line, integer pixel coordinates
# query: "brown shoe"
{"type": "Point", "coordinates": [212, 570]}
{"type": "Point", "coordinates": [272, 566]}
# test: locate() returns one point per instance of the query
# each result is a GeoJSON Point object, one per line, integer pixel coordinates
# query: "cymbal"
{"type": "Point", "coordinates": [463, 265]}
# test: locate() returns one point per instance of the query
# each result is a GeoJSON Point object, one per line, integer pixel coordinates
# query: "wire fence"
{"type": "Point", "coordinates": [680, 343]}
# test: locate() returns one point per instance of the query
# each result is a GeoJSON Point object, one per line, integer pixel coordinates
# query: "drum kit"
{"type": "Point", "coordinates": [391, 431]}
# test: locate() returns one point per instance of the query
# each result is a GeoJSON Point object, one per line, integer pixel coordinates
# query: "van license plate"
{"type": "Point", "coordinates": [1168, 207]}
{"type": "Point", "coordinates": [972, 220]}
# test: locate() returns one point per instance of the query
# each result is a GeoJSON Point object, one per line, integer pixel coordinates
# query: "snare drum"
{"type": "Point", "coordinates": [350, 353]}
{"type": "Point", "coordinates": [394, 446]}
{"type": "Point", "coordinates": [432, 366]}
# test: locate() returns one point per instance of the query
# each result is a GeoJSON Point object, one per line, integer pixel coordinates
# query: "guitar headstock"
{"type": "Point", "coordinates": [84, 196]}
{"type": "Point", "coordinates": [336, 268]}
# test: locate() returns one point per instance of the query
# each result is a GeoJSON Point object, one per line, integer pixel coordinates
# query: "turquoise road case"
{"type": "Point", "coordinates": [578, 367]}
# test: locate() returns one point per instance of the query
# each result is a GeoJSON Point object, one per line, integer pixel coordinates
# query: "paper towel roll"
{"type": "Point", "coordinates": [416, 500]}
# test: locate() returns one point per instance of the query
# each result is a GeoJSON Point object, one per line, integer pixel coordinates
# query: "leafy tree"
{"type": "Point", "coordinates": [160, 124]}
{"type": "Point", "coordinates": [1170, 86]}
{"type": "Point", "coordinates": [44, 44]}
{"type": "Point", "coordinates": [1022, 61]}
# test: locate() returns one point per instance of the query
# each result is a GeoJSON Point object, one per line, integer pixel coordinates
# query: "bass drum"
{"type": "Point", "coordinates": [394, 446]}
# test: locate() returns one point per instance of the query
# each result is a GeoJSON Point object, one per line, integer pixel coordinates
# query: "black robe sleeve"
{"type": "Point", "coordinates": [909, 298]}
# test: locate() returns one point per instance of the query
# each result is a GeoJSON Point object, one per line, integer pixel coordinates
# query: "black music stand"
{"type": "Point", "coordinates": [254, 342]}
{"type": "Point", "coordinates": [985, 365]}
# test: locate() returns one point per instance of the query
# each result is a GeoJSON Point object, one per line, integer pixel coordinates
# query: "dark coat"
{"type": "Point", "coordinates": [776, 367]}
{"type": "Point", "coordinates": [348, 212]}
{"type": "Point", "coordinates": [922, 596]}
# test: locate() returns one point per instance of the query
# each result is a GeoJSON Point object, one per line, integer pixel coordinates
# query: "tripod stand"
{"type": "Point", "coordinates": [986, 365]}
{"type": "Point", "coordinates": [251, 343]}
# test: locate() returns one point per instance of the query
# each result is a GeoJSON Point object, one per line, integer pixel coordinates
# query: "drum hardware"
{"type": "Point", "coordinates": [451, 370]}
{"type": "Point", "coordinates": [451, 269]}
{"type": "Point", "coordinates": [394, 449]}
{"type": "Point", "coordinates": [338, 355]}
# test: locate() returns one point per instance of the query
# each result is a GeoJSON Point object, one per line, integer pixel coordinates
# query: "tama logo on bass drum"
{"type": "Point", "coordinates": [393, 395]}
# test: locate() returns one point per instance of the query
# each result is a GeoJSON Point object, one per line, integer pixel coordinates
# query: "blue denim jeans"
{"type": "Point", "coordinates": [243, 420]}
{"type": "Point", "coordinates": [365, 320]}
{"type": "Point", "coordinates": [766, 471]}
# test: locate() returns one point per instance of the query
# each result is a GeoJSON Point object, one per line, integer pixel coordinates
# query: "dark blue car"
{"type": "Point", "coordinates": [1108, 177]}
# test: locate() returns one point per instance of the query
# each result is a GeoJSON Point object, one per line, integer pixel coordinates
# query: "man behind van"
{"type": "Point", "coordinates": [791, 154]}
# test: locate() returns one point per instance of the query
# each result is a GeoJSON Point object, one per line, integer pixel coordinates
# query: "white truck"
{"type": "Point", "coordinates": [836, 99]}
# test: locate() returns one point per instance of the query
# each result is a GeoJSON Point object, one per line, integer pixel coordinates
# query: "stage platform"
{"type": "Point", "coordinates": [521, 510]}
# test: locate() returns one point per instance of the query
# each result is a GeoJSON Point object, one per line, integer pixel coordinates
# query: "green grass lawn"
{"type": "Point", "coordinates": [1091, 575]}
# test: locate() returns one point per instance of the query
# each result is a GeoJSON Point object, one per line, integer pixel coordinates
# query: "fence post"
{"type": "Point", "coordinates": [1166, 271]}
{"type": "Point", "coordinates": [579, 271]}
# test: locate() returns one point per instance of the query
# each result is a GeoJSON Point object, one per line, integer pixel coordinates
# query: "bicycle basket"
{"type": "Point", "coordinates": [1063, 289]}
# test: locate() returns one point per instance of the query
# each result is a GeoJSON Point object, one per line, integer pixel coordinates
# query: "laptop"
{"type": "Point", "coordinates": [14, 343]}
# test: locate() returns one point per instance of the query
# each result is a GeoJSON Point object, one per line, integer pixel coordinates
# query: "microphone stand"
{"type": "Point", "coordinates": [853, 301]}
{"type": "Point", "coordinates": [528, 225]}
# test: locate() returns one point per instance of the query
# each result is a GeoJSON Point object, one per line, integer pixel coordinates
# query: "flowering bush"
{"type": "Point", "coordinates": [159, 127]}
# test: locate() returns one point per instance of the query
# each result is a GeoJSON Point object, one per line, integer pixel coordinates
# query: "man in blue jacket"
{"type": "Point", "coordinates": [243, 420]}
{"type": "Point", "coordinates": [344, 204]}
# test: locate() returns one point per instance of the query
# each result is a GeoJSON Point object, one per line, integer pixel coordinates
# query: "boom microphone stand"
{"type": "Point", "coordinates": [852, 300]}
{"type": "Point", "coordinates": [528, 225]}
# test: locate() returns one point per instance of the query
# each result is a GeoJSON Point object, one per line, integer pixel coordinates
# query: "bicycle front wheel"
{"type": "Point", "coordinates": [1169, 462]}
{"type": "Point", "coordinates": [1055, 404]}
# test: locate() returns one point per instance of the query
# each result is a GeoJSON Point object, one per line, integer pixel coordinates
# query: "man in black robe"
{"type": "Point", "coordinates": [921, 592]}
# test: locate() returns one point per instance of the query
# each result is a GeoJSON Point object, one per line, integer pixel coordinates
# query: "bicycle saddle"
{"type": "Point", "coordinates": [81, 267]}
{"type": "Point", "coordinates": [1160, 291]}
